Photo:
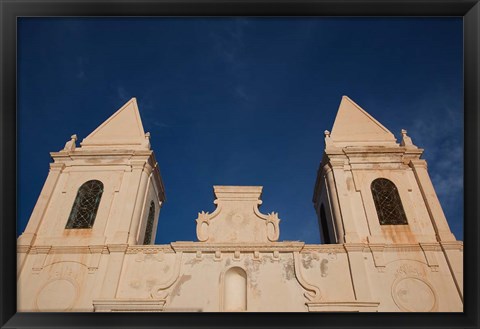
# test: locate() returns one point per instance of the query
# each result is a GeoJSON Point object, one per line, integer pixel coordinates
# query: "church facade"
{"type": "Point", "coordinates": [387, 247]}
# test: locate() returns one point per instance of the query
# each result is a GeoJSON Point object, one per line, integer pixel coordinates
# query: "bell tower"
{"type": "Point", "coordinates": [371, 189]}
{"type": "Point", "coordinates": [108, 190]}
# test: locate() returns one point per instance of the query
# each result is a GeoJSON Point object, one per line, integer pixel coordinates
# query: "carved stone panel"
{"type": "Point", "coordinates": [413, 294]}
{"type": "Point", "coordinates": [237, 218]}
{"type": "Point", "coordinates": [57, 295]}
{"type": "Point", "coordinates": [411, 291]}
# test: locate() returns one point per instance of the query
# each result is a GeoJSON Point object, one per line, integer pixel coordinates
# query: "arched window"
{"type": "Point", "coordinates": [387, 202]}
{"type": "Point", "coordinates": [235, 290]}
{"type": "Point", "coordinates": [148, 230]}
{"type": "Point", "coordinates": [324, 226]}
{"type": "Point", "coordinates": [85, 207]}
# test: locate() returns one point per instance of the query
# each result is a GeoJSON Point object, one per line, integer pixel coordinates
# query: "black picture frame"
{"type": "Point", "coordinates": [10, 10]}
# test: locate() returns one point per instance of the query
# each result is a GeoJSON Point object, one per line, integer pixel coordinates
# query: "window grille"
{"type": "Point", "coordinates": [148, 231]}
{"type": "Point", "coordinates": [85, 207]}
{"type": "Point", "coordinates": [387, 202]}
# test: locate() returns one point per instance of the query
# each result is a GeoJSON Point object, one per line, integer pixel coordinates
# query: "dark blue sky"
{"type": "Point", "coordinates": [240, 101]}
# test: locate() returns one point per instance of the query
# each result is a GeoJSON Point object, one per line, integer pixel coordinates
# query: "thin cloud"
{"type": "Point", "coordinates": [241, 93]}
{"type": "Point", "coordinates": [80, 68]}
{"type": "Point", "coordinates": [160, 124]}
{"type": "Point", "coordinates": [122, 93]}
{"type": "Point", "coordinates": [229, 45]}
{"type": "Point", "coordinates": [438, 128]}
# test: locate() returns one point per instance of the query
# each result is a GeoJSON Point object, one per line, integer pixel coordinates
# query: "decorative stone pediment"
{"type": "Point", "coordinates": [237, 218]}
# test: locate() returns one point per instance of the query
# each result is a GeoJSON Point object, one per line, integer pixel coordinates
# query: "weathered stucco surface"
{"type": "Point", "coordinates": [238, 262]}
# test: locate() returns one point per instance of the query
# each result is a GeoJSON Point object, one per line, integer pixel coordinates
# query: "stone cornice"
{"type": "Point", "coordinates": [394, 247]}
{"type": "Point", "coordinates": [324, 248]}
{"type": "Point", "coordinates": [117, 247]}
{"type": "Point", "coordinates": [352, 247]}
{"type": "Point", "coordinates": [64, 249]}
{"type": "Point", "coordinates": [452, 245]}
{"type": "Point", "coordinates": [418, 163]}
{"type": "Point", "coordinates": [332, 150]}
{"type": "Point", "coordinates": [345, 306]}
{"type": "Point", "coordinates": [23, 249]}
{"type": "Point", "coordinates": [128, 305]}
{"type": "Point", "coordinates": [103, 157]}
{"type": "Point", "coordinates": [149, 249]}
{"type": "Point", "coordinates": [362, 150]}
{"type": "Point", "coordinates": [57, 166]}
{"type": "Point", "coordinates": [336, 162]}
{"type": "Point", "coordinates": [431, 246]}
{"type": "Point", "coordinates": [138, 164]}
{"type": "Point", "coordinates": [242, 247]}
{"type": "Point", "coordinates": [100, 152]}
{"type": "Point", "coordinates": [285, 246]}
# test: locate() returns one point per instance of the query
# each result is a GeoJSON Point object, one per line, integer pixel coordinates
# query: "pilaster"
{"type": "Point", "coordinates": [28, 237]}
{"type": "Point", "coordinates": [359, 275]}
{"type": "Point", "coordinates": [430, 198]}
{"type": "Point", "coordinates": [349, 225]}
{"type": "Point", "coordinates": [333, 196]}
{"type": "Point", "coordinates": [114, 270]}
{"type": "Point", "coordinates": [143, 169]}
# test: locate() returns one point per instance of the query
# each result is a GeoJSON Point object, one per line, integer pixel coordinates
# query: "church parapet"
{"type": "Point", "coordinates": [237, 218]}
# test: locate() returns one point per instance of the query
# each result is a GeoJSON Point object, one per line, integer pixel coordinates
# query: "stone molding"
{"type": "Point", "coordinates": [452, 245]}
{"type": "Point", "coordinates": [57, 166]}
{"type": "Point", "coordinates": [342, 306]}
{"type": "Point", "coordinates": [338, 162]}
{"type": "Point", "coordinates": [283, 246]}
{"type": "Point", "coordinates": [159, 291]}
{"type": "Point", "coordinates": [419, 163]}
{"type": "Point", "coordinates": [356, 247]}
{"type": "Point", "coordinates": [80, 153]}
{"type": "Point", "coordinates": [232, 247]}
{"type": "Point", "coordinates": [313, 292]}
{"type": "Point", "coordinates": [149, 249]}
{"type": "Point", "coordinates": [324, 248]}
{"type": "Point", "coordinates": [117, 247]}
{"type": "Point", "coordinates": [100, 249]}
{"type": "Point", "coordinates": [128, 305]}
{"type": "Point", "coordinates": [24, 249]}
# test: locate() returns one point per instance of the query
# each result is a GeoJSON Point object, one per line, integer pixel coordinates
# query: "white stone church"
{"type": "Point", "coordinates": [88, 246]}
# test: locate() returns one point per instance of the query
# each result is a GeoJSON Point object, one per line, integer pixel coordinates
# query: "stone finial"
{"type": "Point", "coordinates": [328, 140]}
{"type": "Point", "coordinates": [406, 140]}
{"type": "Point", "coordinates": [70, 145]}
{"type": "Point", "coordinates": [146, 143]}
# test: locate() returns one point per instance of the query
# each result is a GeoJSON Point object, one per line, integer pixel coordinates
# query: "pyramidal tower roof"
{"type": "Point", "coordinates": [353, 126]}
{"type": "Point", "coordinates": [123, 129]}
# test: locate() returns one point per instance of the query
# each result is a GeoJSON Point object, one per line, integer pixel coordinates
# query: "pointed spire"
{"type": "Point", "coordinates": [123, 129]}
{"type": "Point", "coordinates": [355, 127]}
